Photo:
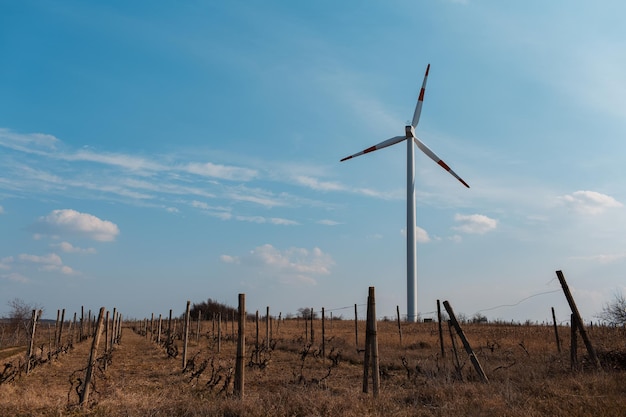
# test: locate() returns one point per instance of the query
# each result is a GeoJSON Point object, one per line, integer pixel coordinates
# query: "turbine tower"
{"type": "Point", "coordinates": [411, 249]}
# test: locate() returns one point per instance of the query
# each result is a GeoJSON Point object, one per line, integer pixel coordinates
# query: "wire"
{"type": "Point", "coordinates": [519, 302]}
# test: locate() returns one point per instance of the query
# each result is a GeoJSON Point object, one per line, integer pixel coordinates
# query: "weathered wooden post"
{"type": "Point", "coordinates": [151, 326]}
{"type": "Point", "coordinates": [159, 329]}
{"type": "Point", "coordinates": [84, 394]}
{"type": "Point", "coordinates": [579, 321]}
{"type": "Point", "coordinates": [356, 328]}
{"type": "Point", "coordinates": [241, 349]}
{"type": "Point", "coordinates": [34, 318]}
{"type": "Point", "coordinates": [256, 341]}
{"type": "Point", "coordinates": [59, 342]}
{"type": "Point", "coordinates": [556, 332]}
{"type": "Point", "coordinates": [267, 328]}
{"type": "Point", "coordinates": [371, 346]}
{"type": "Point", "coordinates": [312, 331]}
{"type": "Point", "coordinates": [56, 331]}
{"type": "Point", "coordinates": [443, 350]}
{"type": "Point", "coordinates": [81, 334]}
{"type": "Point", "coordinates": [399, 327]}
{"type": "Point", "coordinates": [323, 335]}
{"type": "Point", "coordinates": [466, 344]}
{"type": "Point", "coordinates": [169, 327]}
{"type": "Point", "coordinates": [186, 334]}
{"type": "Point", "coordinates": [107, 347]}
{"type": "Point", "coordinates": [113, 325]}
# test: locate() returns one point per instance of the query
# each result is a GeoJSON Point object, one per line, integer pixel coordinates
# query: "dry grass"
{"type": "Point", "coordinates": [527, 377]}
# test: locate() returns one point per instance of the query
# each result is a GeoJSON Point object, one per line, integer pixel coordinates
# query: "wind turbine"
{"type": "Point", "coordinates": [411, 250]}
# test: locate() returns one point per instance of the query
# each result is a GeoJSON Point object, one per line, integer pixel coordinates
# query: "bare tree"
{"type": "Point", "coordinates": [615, 312]}
{"type": "Point", "coordinates": [19, 317]}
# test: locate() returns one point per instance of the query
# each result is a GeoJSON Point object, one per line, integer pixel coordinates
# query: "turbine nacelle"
{"type": "Point", "coordinates": [409, 131]}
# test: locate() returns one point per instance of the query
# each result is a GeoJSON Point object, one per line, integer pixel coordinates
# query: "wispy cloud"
{"type": "Point", "coordinates": [69, 248]}
{"type": "Point", "coordinates": [292, 265]}
{"type": "Point", "coordinates": [589, 202]}
{"type": "Point", "coordinates": [221, 171]}
{"type": "Point", "coordinates": [15, 277]}
{"type": "Point", "coordinates": [603, 258]}
{"type": "Point", "coordinates": [48, 263]}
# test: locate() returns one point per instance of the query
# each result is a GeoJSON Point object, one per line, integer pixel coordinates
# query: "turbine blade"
{"type": "Point", "coordinates": [438, 160]}
{"type": "Point", "coordinates": [383, 144]}
{"type": "Point", "coordinates": [420, 100]}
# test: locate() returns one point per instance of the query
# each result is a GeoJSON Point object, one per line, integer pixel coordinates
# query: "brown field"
{"type": "Point", "coordinates": [527, 376]}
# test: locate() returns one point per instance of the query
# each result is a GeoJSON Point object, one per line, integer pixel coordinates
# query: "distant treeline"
{"type": "Point", "coordinates": [210, 309]}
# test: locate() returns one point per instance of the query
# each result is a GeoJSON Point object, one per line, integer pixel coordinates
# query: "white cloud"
{"type": "Point", "coordinates": [50, 259]}
{"type": "Point", "coordinates": [29, 142]}
{"type": "Point", "coordinates": [69, 248]}
{"type": "Point", "coordinates": [603, 258]}
{"type": "Point", "coordinates": [319, 185]}
{"type": "Point", "coordinates": [421, 235]}
{"type": "Point", "coordinates": [589, 202]}
{"type": "Point", "coordinates": [475, 223]}
{"type": "Point", "coordinates": [289, 265]}
{"type": "Point", "coordinates": [209, 169]}
{"type": "Point", "coordinates": [120, 160]}
{"type": "Point", "coordinates": [49, 263]}
{"type": "Point", "coordinates": [16, 277]}
{"type": "Point", "coordinates": [5, 263]}
{"type": "Point", "coordinates": [67, 221]}
{"type": "Point", "coordinates": [229, 259]}
{"type": "Point", "coordinates": [327, 222]}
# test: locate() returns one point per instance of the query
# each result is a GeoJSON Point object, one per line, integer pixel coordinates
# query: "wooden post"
{"type": "Point", "coordinates": [241, 349]}
{"type": "Point", "coordinates": [356, 328]}
{"type": "Point", "coordinates": [107, 347]}
{"type": "Point", "coordinates": [59, 342]}
{"type": "Point", "coordinates": [84, 395]}
{"type": "Point", "coordinates": [579, 321]}
{"type": "Point", "coordinates": [466, 344]}
{"type": "Point", "coordinates": [113, 326]}
{"type": "Point", "coordinates": [371, 346]}
{"type": "Point", "coordinates": [323, 336]}
{"type": "Point", "coordinates": [267, 328]}
{"type": "Point", "coordinates": [256, 343]}
{"type": "Point", "coordinates": [159, 329]}
{"type": "Point", "coordinates": [34, 318]}
{"type": "Point", "coordinates": [81, 334]}
{"type": "Point", "coordinates": [119, 329]}
{"type": "Point", "coordinates": [443, 350]}
{"type": "Point", "coordinates": [556, 332]}
{"type": "Point", "coordinates": [399, 327]}
{"type": "Point", "coordinates": [368, 351]}
{"type": "Point", "coordinates": [56, 330]}
{"type": "Point", "coordinates": [186, 334]}
{"type": "Point", "coordinates": [573, 353]}
{"type": "Point", "coordinates": [169, 326]}
{"type": "Point", "coordinates": [312, 331]}
{"type": "Point", "coordinates": [151, 326]}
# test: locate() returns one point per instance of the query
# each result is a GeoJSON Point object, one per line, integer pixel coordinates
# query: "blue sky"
{"type": "Point", "coordinates": [153, 153]}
